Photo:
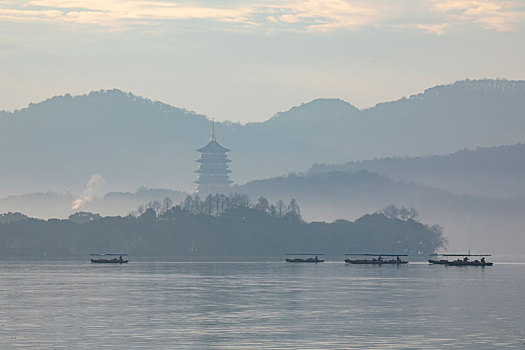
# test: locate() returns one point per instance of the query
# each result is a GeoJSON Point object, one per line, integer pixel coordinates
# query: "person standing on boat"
{"type": "Point", "coordinates": [482, 259]}
{"type": "Point", "coordinates": [120, 258]}
{"type": "Point", "coordinates": [465, 259]}
{"type": "Point", "coordinates": [380, 258]}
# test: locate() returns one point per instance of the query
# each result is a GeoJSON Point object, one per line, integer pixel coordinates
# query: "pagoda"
{"type": "Point", "coordinates": [213, 169]}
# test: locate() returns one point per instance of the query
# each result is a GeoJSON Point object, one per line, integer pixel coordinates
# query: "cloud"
{"type": "Point", "coordinates": [29, 15]}
{"type": "Point", "coordinates": [491, 14]}
{"type": "Point", "coordinates": [116, 13]}
{"type": "Point", "coordinates": [327, 15]}
{"type": "Point", "coordinates": [92, 188]}
{"type": "Point", "coordinates": [434, 16]}
{"type": "Point", "coordinates": [438, 29]}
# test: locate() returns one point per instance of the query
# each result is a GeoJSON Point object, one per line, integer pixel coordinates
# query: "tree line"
{"type": "Point", "coordinates": [219, 204]}
{"type": "Point", "coordinates": [218, 225]}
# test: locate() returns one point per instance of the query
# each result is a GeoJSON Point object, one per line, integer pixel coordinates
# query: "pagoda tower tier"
{"type": "Point", "coordinates": [213, 168]}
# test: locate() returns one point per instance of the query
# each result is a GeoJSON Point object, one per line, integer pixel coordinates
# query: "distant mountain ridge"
{"type": "Point", "coordinates": [484, 171]}
{"type": "Point", "coordinates": [56, 205]}
{"type": "Point", "coordinates": [516, 87]}
{"type": "Point", "coordinates": [470, 222]}
{"type": "Point", "coordinates": [317, 110]}
{"type": "Point", "coordinates": [131, 141]}
{"type": "Point", "coordinates": [112, 95]}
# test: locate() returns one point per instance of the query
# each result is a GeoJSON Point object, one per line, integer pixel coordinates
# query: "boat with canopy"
{"type": "Point", "coordinates": [377, 259]}
{"type": "Point", "coordinates": [464, 261]}
{"type": "Point", "coordinates": [108, 258]}
{"type": "Point", "coordinates": [304, 258]}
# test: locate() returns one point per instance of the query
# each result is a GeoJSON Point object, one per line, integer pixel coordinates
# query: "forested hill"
{"type": "Point", "coordinates": [215, 226]}
{"type": "Point", "coordinates": [470, 222]}
{"type": "Point", "coordinates": [486, 172]}
{"type": "Point", "coordinates": [132, 141]}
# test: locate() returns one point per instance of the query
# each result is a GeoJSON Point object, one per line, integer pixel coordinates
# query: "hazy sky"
{"type": "Point", "coordinates": [246, 60]}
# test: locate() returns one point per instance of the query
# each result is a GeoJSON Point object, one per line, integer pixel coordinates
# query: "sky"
{"type": "Point", "coordinates": [246, 60]}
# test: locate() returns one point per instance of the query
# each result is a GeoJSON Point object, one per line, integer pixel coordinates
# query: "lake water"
{"type": "Point", "coordinates": [265, 305]}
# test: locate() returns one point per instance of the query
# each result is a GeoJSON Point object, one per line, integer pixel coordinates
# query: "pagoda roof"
{"type": "Point", "coordinates": [207, 181]}
{"type": "Point", "coordinates": [213, 147]}
{"type": "Point", "coordinates": [221, 160]}
{"type": "Point", "coordinates": [213, 171]}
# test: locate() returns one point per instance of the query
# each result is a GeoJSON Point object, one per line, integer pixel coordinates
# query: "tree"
{"type": "Point", "coordinates": [186, 204]}
{"type": "Point", "coordinates": [238, 201]}
{"type": "Point", "coordinates": [262, 204]}
{"type": "Point", "coordinates": [281, 208]}
{"type": "Point", "coordinates": [207, 205]}
{"type": "Point", "coordinates": [293, 209]}
{"type": "Point", "coordinates": [221, 202]}
{"type": "Point", "coordinates": [272, 211]}
{"type": "Point", "coordinates": [413, 214]}
{"type": "Point", "coordinates": [156, 206]}
{"type": "Point", "coordinates": [149, 215]}
{"type": "Point", "coordinates": [167, 203]}
{"type": "Point", "coordinates": [403, 213]}
{"type": "Point", "coordinates": [390, 211]}
{"type": "Point", "coordinates": [196, 205]}
{"type": "Point", "coordinates": [393, 212]}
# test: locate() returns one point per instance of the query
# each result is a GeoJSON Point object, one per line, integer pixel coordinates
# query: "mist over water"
{"type": "Point", "coordinates": [263, 305]}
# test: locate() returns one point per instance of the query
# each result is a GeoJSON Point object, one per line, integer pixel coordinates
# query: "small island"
{"type": "Point", "coordinates": [218, 225]}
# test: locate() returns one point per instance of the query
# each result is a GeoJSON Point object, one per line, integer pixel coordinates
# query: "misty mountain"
{"type": "Point", "coordinates": [56, 205]}
{"type": "Point", "coordinates": [494, 171]}
{"type": "Point", "coordinates": [470, 222]}
{"type": "Point", "coordinates": [368, 191]}
{"type": "Point", "coordinates": [39, 204]}
{"type": "Point", "coordinates": [130, 141]}
{"type": "Point", "coordinates": [60, 143]}
{"type": "Point", "coordinates": [123, 203]}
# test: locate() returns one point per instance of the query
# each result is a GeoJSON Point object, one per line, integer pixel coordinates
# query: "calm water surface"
{"type": "Point", "coordinates": [269, 305]}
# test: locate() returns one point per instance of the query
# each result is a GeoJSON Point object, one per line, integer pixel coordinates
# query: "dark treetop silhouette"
{"type": "Point", "coordinates": [219, 225]}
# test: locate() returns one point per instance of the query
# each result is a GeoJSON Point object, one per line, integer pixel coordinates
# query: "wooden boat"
{"type": "Point", "coordinates": [304, 259]}
{"type": "Point", "coordinates": [108, 258]}
{"type": "Point", "coordinates": [377, 261]}
{"type": "Point", "coordinates": [469, 263]}
{"type": "Point", "coordinates": [461, 262]}
{"type": "Point", "coordinates": [438, 262]}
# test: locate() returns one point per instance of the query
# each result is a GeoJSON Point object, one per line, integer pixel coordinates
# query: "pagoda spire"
{"type": "Point", "coordinates": [212, 138]}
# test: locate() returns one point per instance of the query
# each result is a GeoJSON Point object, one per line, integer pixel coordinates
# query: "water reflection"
{"type": "Point", "coordinates": [265, 305]}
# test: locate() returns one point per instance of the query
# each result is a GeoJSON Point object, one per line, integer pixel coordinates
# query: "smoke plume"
{"type": "Point", "coordinates": [92, 188]}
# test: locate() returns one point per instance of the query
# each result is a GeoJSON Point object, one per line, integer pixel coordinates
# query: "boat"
{"type": "Point", "coordinates": [377, 261]}
{"type": "Point", "coordinates": [469, 263]}
{"type": "Point", "coordinates": [108, 258]}
{"type": "Point", "coordinates": [437, 262]}
{"type": "Point", "coordinates": [304, 259]}
{"type": "Point", "coordinates": [462, 262]}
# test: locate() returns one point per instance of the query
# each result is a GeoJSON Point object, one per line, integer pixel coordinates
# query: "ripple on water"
{"type": "Point", "coordinates": [263, 306]}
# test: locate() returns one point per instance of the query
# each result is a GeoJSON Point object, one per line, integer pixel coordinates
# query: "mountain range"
{"type": "Point", "coordinates": [58, 144]}
{"type": "Point", "coordinates": [337, 160]}
{"type": "Point", "coordinates": [485, 171]}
